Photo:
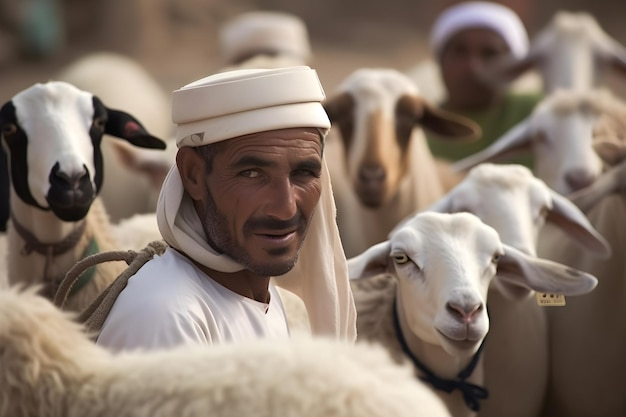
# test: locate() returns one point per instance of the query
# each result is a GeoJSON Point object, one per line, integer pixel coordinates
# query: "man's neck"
{"type": "Point", "coordinates": [242, 282]}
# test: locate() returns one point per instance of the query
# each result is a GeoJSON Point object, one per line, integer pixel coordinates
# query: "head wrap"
{"type": "Point", "coordinates": [241, 102]}
{"type": "Point", "coordinates": [471, 15]}
{"type": "Point", "coordinates": [255, 32]}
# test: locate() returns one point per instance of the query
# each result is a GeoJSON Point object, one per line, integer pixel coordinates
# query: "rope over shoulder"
{"type": "Point", "coordinates": [94, 315]}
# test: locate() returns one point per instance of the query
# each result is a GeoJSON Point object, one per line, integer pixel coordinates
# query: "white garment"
{"type": "Point", "coordinates": [170, 302]}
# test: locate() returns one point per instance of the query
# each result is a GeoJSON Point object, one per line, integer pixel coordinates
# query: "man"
{"type": "Point", "coordinates": [249, 184]}
{"type": "Point", "coordinates": [465, 39]}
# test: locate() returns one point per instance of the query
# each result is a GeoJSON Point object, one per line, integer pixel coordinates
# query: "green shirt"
{"type": "Point", "coordinates": [494, 123]}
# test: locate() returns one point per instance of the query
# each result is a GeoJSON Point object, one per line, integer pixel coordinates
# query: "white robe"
{"type": "Point", "coordinates": [170, 302]}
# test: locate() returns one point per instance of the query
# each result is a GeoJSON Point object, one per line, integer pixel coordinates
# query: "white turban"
{"type": "Point", "coordinates": [255, 32]}
{"type": "Point", "coordinates": [236, 103]}
{"type": "Point", "coordinates": [471, 15]}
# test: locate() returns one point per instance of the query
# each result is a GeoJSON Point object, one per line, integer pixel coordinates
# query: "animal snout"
{"type": "Point", "coordinates": [70, 194]}
{"type": "Point", "coordinates": [579, 178]}
{"type": "Point", "coordinates": [69, 181]}
{"type": "Point", "coordinates": [372, 173]}
{"type": "Point", "coordinates": [464, 312]}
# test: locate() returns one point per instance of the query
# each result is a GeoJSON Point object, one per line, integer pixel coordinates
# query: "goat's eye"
{"type": "Point", "coordinates": [543, 213]}
{"type": "Point", "coordinates": [9, 129]}
{"type": "Point", "coordinates": [99, 123]}
{"type": "Point", "coordinates": [400, 258]}
{"type": "Point", "coordinates": [495, 258]}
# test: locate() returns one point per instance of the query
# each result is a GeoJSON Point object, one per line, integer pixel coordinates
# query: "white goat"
{"type": "Point", "coordinates": [133, 175]}
{"type": "Point", "coordinates": [591, 327]}
{"type": "Point", "coordinates": [431, 277]}
{"type": "Point", "coordinates": [611, 181]}
{"type": "Point", "coordinates": [560, 133]}
{"type": "Point", "coordinates": [49, 367]}
{"type": "Point", "coordinates": [562, 144]}
{"type": "Point", "coordinates": [52, 133]}
{"type": "Point", "coordinates": [517, 204]}
{"type": "Point", "coordinates": [572, 52]}
{"type": "Point", "coordinates": [380, 164]}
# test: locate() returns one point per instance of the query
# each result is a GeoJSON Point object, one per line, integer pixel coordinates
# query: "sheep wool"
{"type": "Point", "coordinates": [53, 369]}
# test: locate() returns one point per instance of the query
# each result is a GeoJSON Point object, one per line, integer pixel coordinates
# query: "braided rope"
{"type": "Point", "coordinates": [94, 315]}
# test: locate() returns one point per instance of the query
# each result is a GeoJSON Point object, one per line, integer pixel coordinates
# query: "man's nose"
{"type": "Point", "coordinates": [281, 200]}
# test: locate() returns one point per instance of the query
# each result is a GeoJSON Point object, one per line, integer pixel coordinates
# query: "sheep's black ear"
{"type": "Point", "coordinates": [122, 125]}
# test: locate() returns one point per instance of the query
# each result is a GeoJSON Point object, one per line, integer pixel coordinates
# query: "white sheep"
{"type": "Point", "coordinates": [48, 366]}
{"type": "Point", "coordinates": [432, 278]}
{"type": "Point", "coordinates": [133, 175]}
{"type": "Point", "coordinates": [516, 204]}
{"type": "Point", "coordinates": [380, 164]}
{"type": "Point", "coordinates": [560, 134]}
{"type": "Point", "coordinates": [52, 135]}
{"type": "Point", "coordinates": [571, 52]}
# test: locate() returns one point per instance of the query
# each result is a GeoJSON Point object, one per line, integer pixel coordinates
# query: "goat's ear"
{"type": "Point", "coordinates": [518, 137]}
{"type": "Point", "coordinates": [618, 57]}
{"type": "Point", "coordinates": [571, 220]}
{"type": "Point", "coordinates": [609, 150]}
{"type": "Point", "coordinates": [339, 107]}
{"type": "Point", "coordinates": [373, 261]}
{"type": "Point", "coordinates": [447, 125]}
{"type": "Point", "coordinates": [507, 70]}
{"type": "Point", "coordinates": [519, 274]}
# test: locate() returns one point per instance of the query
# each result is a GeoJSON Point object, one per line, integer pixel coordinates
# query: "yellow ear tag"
{"type": "Point", "coordinates": [550, 300]}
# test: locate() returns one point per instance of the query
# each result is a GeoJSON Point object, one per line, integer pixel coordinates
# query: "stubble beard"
{"type": "Point", "coordinates": [214, 225]}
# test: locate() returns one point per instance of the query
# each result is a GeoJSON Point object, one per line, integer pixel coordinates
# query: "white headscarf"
{"type": "Point", "coordinates": [477, 14]}
{"type": "Point", "coordinates": [236, 103]}
{"type": "Point", "coordinates": [264, 31]}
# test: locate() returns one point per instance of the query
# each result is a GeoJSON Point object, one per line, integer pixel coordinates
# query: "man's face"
{"type": "Point", "coordinates": [462, 59]}
{"type": "Point", "coordinates": [261, 194]}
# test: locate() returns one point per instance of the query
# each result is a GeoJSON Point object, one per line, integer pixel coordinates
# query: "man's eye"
{"type": "Point", "coordinates": [307, 173]}
{"type": "Point", "coordinates": [250, 173]}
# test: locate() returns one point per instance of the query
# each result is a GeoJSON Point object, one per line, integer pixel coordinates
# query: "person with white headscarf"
{"type": "Point", "coordinates": [249, 183]}
{"type": "Point", "coordinates": [257, 37]}
{"type": "Point", "coordinates": [466, 38]}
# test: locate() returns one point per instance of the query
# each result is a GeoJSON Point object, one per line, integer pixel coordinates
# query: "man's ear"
{"type": "Point", "coordinates": [192, 170]}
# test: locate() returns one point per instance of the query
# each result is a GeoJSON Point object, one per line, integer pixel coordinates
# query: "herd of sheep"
{"type": "Point", "coordinates": [447, 262]}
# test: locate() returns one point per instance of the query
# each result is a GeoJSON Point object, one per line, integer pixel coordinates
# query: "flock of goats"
{"type": "Point", "coordinates": [468, 251]}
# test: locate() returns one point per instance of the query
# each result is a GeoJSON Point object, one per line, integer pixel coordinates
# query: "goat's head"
{"type": "Point", "coordinates": [572, 51]}
{"type": "Point", "coordinates": [444, 264]}
{"type": "Point", "coordinates": [517, 204]}
{"type": "Point", "coordinates": [377, 113]}
{"type": "Point", "coordinates": [560, 134]}
{"type": "Point", "coordinates": [52, 133]}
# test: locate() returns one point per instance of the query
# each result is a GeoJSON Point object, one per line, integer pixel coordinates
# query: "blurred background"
{"type": "Point", "coordinates": [176, 39]}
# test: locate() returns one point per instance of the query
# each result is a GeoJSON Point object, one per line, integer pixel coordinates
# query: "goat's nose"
{"type": "Point", "coordinates": [465, 313]}
{"type": "Point", "coordinates": [579, 178]}
{"type": "Point", "coordinates": [372, 173]}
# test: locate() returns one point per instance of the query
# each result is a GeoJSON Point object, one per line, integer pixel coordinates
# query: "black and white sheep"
{"type": "Point", "coordinates": [134, 175]}
{"type": "Point", "coordinates": [52, 134]}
